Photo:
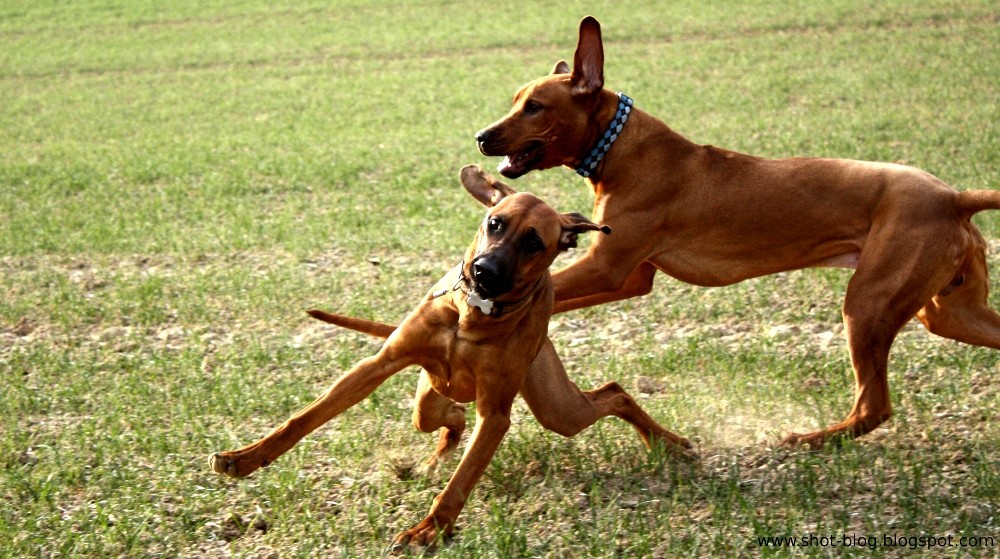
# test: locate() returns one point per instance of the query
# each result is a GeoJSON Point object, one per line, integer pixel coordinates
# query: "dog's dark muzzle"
{"type": "Point", "coordinates": [490, 277]}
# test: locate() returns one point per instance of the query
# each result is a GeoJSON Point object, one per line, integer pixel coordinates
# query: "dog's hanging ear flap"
{"type": "Point", "coordinates": [575, 223]}
{"type": "Point", "coordinates": [560, 68]}
{"type": "Point", "coordinates": [588, 62]}
{"type": "Point", "coordinates": [483, 187]}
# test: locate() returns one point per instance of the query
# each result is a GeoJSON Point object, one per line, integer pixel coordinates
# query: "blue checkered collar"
{"type": "Point", "coordinates": [596, 154]}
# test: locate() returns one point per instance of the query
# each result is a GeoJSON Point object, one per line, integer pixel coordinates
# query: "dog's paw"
{"type": "Point", "coordinates": [425, 535]}
{"type": "Point", "coordinates": [673, 443]}
{"type": "Point", "coordinates": [811, 441]}
{"type": "Point", "coordinates": [677, 448]}
{"type": "Point", "coordinates": [685, 453]}
{"type": "Point", "coordinates": [232, 465]}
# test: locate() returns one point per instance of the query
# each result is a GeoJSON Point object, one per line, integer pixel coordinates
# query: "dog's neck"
{"type": "Point", "coordinates": [607, 139]}
{"type": "Point", "coordinates": [642, 129]}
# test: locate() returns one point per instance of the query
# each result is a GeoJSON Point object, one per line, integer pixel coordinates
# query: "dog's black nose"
{"type": "Point", "coordinates": [488, 277]}
{"type": "Point", "coordinates": [485, 270]}
{"type": "Point", "coordinates": [483, 135]}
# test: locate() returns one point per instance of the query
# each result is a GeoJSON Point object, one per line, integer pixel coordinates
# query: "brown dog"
{"type": "Point", "coordinates": [480, 335]}
{"type": "Point", "coordinates": [712, 217]}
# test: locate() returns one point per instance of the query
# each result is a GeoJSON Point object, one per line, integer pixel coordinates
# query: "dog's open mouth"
{"type": "Point", "coordinates": [516, 164]}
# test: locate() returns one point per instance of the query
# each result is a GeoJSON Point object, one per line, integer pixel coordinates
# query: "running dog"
{"type": "Point", "coordinates": [713, 217]}
{"type": "Point", "coordinates": [480, 335]}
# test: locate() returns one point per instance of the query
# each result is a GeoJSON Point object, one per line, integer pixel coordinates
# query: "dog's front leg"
{"type": "Point", "coordinates": [590, 281]}
{"type": "Point", "coordinates": [352, 387]}
{"type": "Point", "coordinates": [492, 422]}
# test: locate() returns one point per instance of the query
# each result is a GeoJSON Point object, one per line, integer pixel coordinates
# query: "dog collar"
{"type": "Point", "coordinates": [471, 297]}
{"type": "Point", "coordinates": [489, 307]}
{"type": "Point", "coordinates": [596, 154]}
{"type": "Point", "coordinates": [486, 306]}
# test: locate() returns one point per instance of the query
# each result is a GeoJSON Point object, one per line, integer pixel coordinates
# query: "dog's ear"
{"type": "Point", "coordinates": [575, 223]}
{"type": "Point", "coordinates": [483, 187]}
{"type": "Point", "coordinates": [588, 62]}
{"type": "Point", "coordinates": [560, 68]}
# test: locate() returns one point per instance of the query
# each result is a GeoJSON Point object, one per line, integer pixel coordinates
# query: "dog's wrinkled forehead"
{"type": "Point", "coordinates": [551, 88]}
{"type": "Point", "coordinates": [524, 210]}
{"type": "Point", "coordinates": [519, 202]}
{"type": "Point", "coordinates": [520, 225]}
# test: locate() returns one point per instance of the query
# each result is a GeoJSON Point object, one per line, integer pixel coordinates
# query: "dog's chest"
{"type": "Point", "coordinates": [463, 364]}
{"type": "Point", "coordinates": [455, 383]}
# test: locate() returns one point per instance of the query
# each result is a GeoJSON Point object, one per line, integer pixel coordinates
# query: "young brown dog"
{"type": "Point", "coordinates": [480, 335]}
{"type": "Point", "coordinates": [713, 217]}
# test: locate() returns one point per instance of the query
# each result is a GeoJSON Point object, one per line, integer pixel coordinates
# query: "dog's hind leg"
{"type": "Point", "coordinates": [960, 312]}
{"type": "Point", "coordinates": [432, 411]}
{"type": "Point", "coordinates": [562, 407]}
{"type": "Point", "coordinates": [880, 300]}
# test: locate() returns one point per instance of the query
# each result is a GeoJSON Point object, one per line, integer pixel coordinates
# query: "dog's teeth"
{"type": "Point", "coordinates": [505, 164]}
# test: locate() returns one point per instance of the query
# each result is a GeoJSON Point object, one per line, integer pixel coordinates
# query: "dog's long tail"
{"type": "Point", "coordinates": [370, 327]}
{"type": "Point", "coordinates": [972, 201]}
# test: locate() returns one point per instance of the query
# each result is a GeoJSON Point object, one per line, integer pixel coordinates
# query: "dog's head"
{"type": "Point", "coordinates": [550, 121]}
{"type": "Point", "coordinates": [519, 238]}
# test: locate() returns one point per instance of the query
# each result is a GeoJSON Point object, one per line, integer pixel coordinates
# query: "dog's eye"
{"type": "Point", "coordinates": [532, 107]}
{"type": "Point", "coordinates": [494, 224]}
{"type": "Point", "coordinates": [531, 244]}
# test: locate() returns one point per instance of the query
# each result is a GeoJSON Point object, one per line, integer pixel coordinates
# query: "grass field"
{"type": "Point", "coordinates": [179, 181]}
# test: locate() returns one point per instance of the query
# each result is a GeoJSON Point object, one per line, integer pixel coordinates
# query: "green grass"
{"type": "Point", "coordinates": [178, 181]}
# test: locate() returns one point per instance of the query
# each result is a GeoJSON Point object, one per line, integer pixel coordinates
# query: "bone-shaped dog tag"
{"type": "Point", "coordinates": [484, 305]}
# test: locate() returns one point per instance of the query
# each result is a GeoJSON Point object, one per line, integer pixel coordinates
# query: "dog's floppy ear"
{"type": "Point", "coordinates": [560, 68]}
{"type": "Point", "coordinates": [588, 62]}
{"type": "Point", "coordinates": [483, 187]}
{"type": "Point", "coordinates": [575, 223]}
